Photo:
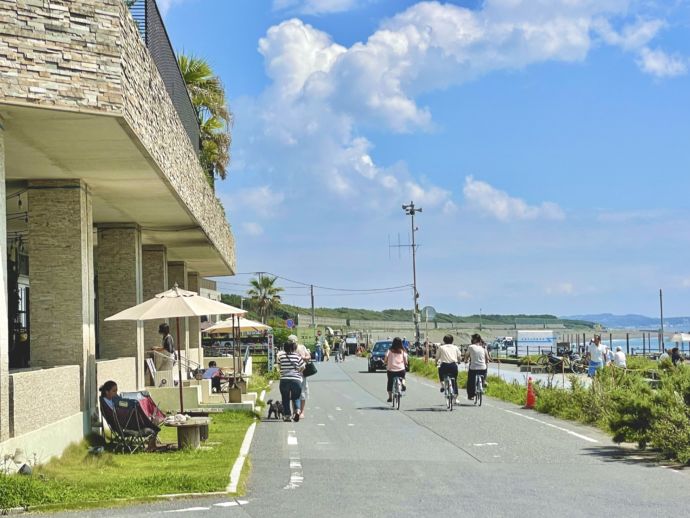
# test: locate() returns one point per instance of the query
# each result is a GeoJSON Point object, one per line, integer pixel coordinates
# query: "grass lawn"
{"type": "Point", "coordinates": [79, 479]}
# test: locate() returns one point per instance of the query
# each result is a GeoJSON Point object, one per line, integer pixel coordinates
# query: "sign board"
{"type": "Point", "coordinates": [535, 341]}
{"type": "Point", "coordinates": [271, 353]}
{"type": "Point", "coordinates": [290, 323]}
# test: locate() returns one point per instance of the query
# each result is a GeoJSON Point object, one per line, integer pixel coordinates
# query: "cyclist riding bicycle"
{"type": "Point", "coordinates": [396, 362]}
{"type": "Point", "coordinates": [447, 358]}
{"type": "Point", "coordinates": [479, 360]}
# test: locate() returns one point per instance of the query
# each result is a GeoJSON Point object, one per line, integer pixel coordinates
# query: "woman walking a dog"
{"type": "Point", "coordinates": [291, 367]}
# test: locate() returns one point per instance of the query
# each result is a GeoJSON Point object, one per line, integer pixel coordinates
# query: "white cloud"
{"type": "Point", "coordinates": [252, 228]}
{"type": "Point", "coordinates": [316, 6]}
{"type": "Point", "coordinates": [165, 5]}
{"type": "Point", "coordinates": [561, 288]}
{"type": "Point", "coordinates": [306, 131]}
{"type": "Point", "coordinates": [497, 204]}
{"type": "Point", "coordinates": [262, 202]}
{"type": "Point", "coordinates": [660, 64]}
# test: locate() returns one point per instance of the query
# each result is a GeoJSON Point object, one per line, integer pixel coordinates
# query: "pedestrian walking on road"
{"type": "Point", "coordinates": [291, 367]}
{"type": "Point", "coordinates": [304, 353]}
{"type": "Point", "coordinates": [326, 349]}
{"type": "Point", "coordinates": [478, 358]}
{"type": "Point", "coordinates": [396, 363]}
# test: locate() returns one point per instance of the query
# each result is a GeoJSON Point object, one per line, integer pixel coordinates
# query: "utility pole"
{"type": "Point", "coordinates": [661, 307]}
{"type": "Point", "coordinates": [313, 317]}
{"type": "Point", "coordinates": [411, 210]}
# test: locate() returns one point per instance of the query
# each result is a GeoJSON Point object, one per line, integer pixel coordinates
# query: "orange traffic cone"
{"type": "Point", "coordinates": [531, 396]}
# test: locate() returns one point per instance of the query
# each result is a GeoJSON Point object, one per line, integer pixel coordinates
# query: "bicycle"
{"type": "Point", "coordinates": [479, 390]}
{"type": "Point", "coordinates": [449, 393]}
{"type": "Point", "coordinates": [396, 392]}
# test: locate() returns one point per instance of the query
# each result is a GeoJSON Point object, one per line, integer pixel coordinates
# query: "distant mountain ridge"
{"type": "Point", "coordinates": [633, 321]}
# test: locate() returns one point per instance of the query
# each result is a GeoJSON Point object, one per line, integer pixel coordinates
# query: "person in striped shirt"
{"type": "Point", "coordinates": [291, 367]}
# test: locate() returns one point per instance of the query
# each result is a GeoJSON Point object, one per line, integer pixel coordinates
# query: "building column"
{"type": "Point", "coordinates": [62, 280]}
{"type": "Point", "coordinates": [177, 274]}
{"type": "Point", "coordinates": [155, 273]}
{"type": "Point", "coordinates": [120, 287]}
{"type": "Point", "coordinates": [4, 339]}
{"type": "Point", "coordinates": [193, 281]}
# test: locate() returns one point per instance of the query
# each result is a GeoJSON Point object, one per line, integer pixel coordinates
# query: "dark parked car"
{"type": "Point", "coordinates": [377, 354]}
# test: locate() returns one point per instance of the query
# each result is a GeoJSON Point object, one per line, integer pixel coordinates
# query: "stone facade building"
{"type": "Point", "coordinates": [104, 204]}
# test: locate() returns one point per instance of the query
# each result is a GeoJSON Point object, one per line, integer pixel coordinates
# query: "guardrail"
{"type": "Point", "coordinates": [153, 32]}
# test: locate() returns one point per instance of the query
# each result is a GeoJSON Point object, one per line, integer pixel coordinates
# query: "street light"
{"type": "Point", "coordinates": [411, 210]}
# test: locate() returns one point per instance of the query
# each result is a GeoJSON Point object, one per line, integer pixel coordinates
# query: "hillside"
{"type": "Point", "coordinates": [285, 311]}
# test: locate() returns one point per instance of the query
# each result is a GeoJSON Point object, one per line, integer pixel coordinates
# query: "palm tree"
{"type": "Point", "coordinates": [215, 119]}
{"type": "Point", "coordinates": [264, 295]}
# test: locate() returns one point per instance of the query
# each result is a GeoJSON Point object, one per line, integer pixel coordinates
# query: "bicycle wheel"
{"type": "Point", "coordinates": [479, 391]}
{"type": "Point", "coordinates": [543, 361]}
{"type": "Point", "coordinates": [448, 389]}
{"type": "Point", "coordinates": [396, 401]}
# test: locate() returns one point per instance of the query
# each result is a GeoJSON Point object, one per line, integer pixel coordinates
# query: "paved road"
{"type": "Point", "coordinates": [354, 456]}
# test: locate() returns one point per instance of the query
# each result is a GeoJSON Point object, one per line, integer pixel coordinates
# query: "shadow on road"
{"type": "Point", "coordinates": [638, 457]}
{"type": "Point", "coordinates": [387, 407]}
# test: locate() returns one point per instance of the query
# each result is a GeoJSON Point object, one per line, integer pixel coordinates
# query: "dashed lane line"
{"type": "Point", "coordinates": [296, 473]}
{"type": "Point", "coordinates": [188, 510]}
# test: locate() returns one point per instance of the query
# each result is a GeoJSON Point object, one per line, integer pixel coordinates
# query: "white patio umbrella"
{"type": "Point", "coordinates": [176, 303]}
{"type": "Point", "coordinates": [244, 324]}
{"type": "Point", "coordinates": [681, 337]}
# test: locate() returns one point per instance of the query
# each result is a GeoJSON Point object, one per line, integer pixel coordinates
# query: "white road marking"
{"type": "Point", "coordinates": [323, 443]}
{"type": "Point", "coordinates": [296, 474]}
{"type": "Point", "coordinates": [350, 424]}
{"type": "Point", "coordinates": [189, 509]}
{"type": "Point", "coordinates": [226, 504]}
{"type": "Point", "coordinates": [239, 463]}
{"type": "Point", "coordinates": [321, 424]}
{"type": "Point", "coordinates": [486, 444]}
{"type": "Point", "coordinates": [339, 409]}
{"type": "Point", "coordinates": [331, 417]}
{"type": "Point", "coordinates": [579, 436]}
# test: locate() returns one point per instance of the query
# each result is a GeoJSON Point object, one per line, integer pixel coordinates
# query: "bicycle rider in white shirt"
{"type": "Point", "coordinates": [447, 358]}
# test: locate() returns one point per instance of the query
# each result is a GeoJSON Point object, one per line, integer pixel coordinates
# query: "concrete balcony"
{"type": "Point", "coordinates": [81, 98]}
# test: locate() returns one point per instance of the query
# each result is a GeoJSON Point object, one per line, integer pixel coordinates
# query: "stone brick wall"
{"type": "Point", "coordinates": [61, 53]}
{"type": "Point", "coordinates": [62, 279]}
{"type": "Point", "coordinates": [151, 115]}
{"type": "Point", "coordinates": [87, 55]}
{"type": "Point", "coordinates": [119, 287]}
{"type": "Point", "coordinates": [4, 358]}
{"type": "Point", "coordinates": [42, 396]}
{"type": "Point", "coordinates": [155, 277]}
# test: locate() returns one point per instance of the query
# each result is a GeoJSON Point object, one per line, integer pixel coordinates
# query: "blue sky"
{"type": "Point", "coordinates": [547, 141]}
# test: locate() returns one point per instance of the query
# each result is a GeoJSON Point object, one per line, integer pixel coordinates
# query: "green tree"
{"type": "Point", "coordinates": [264, 295]}
{"type": "Point", "coordinates": [215, 119]}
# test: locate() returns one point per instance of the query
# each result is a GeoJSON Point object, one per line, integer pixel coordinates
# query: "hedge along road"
{"type": "Point", "coordinates": [354, 456]}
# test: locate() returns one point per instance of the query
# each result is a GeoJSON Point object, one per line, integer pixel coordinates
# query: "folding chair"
{"type": "Point", "coordinates": [130, 428]}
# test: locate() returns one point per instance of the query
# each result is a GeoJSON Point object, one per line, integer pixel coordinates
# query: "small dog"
{"type": "Point", "coordinates": [275, 408]}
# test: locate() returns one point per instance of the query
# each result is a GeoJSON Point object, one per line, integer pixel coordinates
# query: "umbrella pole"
{"type": "Point", "coordinates": [179, 365]}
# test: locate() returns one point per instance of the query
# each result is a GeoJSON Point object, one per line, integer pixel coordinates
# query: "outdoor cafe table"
{"type": "Point", "coordinates": [189, 433]}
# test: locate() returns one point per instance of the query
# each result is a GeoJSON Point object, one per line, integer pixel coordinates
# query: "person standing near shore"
{"type": "Point", "coordinates": [597, 355]}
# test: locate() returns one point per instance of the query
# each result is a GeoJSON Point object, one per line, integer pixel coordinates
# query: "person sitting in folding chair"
{"type": "Point", "coordinates": [214, 374]}
{"type": "Point", "coordinates": [130, 426]}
